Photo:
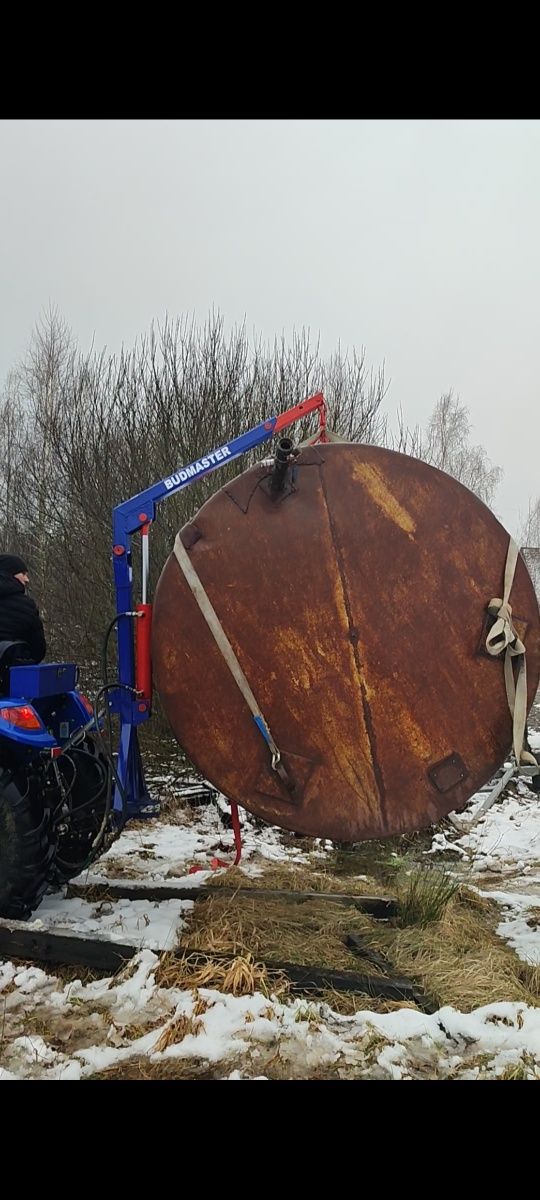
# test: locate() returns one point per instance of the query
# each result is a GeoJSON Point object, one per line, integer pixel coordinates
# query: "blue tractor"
{"type": "Point", "coordinates": [55, 779]}
{"type": "Point", "coordinates": [64, 794]}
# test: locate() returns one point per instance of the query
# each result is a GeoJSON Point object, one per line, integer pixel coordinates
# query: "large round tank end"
{"type": "Point", "coordinates": [354, 599]}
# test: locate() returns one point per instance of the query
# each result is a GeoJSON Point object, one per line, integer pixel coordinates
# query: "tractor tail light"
{"type": "Point", "coordinates": [86, 703]}
{"type": "Point", "coordinates": [22, 716]}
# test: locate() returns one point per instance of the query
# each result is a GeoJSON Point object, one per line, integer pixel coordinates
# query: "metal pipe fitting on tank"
{"type": "Point", "coordinates": [284, 454]}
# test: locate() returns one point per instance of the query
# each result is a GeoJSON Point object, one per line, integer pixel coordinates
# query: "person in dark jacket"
{"type": "Point", "coordinates": [19, 616]}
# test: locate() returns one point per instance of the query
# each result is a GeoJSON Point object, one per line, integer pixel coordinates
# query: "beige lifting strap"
{"type": "Point", "coordinates": [314, 440]}
{"type": "Point", "coordinates": [503, 636]}
{"type": "Point", "coordinates": [218, 633]}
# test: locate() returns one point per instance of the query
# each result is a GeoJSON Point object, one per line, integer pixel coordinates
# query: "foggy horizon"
{"type": "Point", "coordinates": [416, 240]}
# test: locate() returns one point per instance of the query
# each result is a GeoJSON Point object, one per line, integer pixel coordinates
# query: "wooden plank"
{"type": "Point", "coordinates": [358, 946]}
{"type": "Point", "coordinates": [100, 955]}
{"type": "Point", "coordinates": [42, 945]}
{"type": "Point", "coordinates": [308, 978]}
{"type": "Point", "coordinates": [380, 907]}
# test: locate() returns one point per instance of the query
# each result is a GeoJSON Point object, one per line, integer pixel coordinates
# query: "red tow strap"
{"type": "Point", "coordinates": [217, 863]}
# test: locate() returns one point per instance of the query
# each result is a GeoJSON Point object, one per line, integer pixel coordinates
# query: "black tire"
{"type": "Point", "coordinates": [27, 843]}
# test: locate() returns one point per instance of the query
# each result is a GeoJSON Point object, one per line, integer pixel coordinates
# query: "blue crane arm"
{"type": "Point", "coordinates": [136, 514]}
{"type": "Point", "coordinates": [133, 514]}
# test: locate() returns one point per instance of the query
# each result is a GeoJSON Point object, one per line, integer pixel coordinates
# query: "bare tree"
{"type": "Point", "coordinates": [12, 441]}
{"type": "Point", "coordinates": [446, 445]}
{"type": "Point", "coordinates": [34, 390]}
{"type": "Point", "coordinates": [529, 534]}
{"type": "Point", "coordinates": [80, 433]}
{"type": "Point", "coordinates": [84, 432]}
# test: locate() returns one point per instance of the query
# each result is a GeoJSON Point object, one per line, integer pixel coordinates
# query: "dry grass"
{"type": "Point", "coordinates": [526, 1067]}
{"type": "Point", "coordinates": [349, 1003]}
{"type": "Point", "coordinates": [165, 1068]}
{"type": "Point", "coordinates": [132, 1033]}
{"type": "Point", "coordinates": [459, 959]}
{"type": "Point", "coordinates": [443, 939]}
{"type": "Point", "coordinates": [240, 977]}
{"type": "Point", "coordinates": [479, 1062]}
{"type": "Point", "coordinates": [271, 1065]}
{"type": "Point", "coordinates": [94, 893]}
{"type": "Point", "coordinates": [530, 975]}
{"type": "Point", "coordinates": [294, 878]}
{"type": "Point", "coordinates": [65, 1030]}
{"type": "Point", "coordinates": [200, 1005]}
{"type": "Point", "coordinates": [176, 1030]}
{"type": "Point", "coordinates": [308, 933]}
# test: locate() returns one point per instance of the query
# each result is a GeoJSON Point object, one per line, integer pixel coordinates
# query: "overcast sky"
{"type": "Point", "coordinates": [419, 240]}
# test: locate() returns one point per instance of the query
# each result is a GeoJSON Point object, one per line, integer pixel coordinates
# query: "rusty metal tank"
{"type": "Point", "coordinates": [356, 603]}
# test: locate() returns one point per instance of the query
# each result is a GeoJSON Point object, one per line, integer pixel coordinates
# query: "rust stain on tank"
{"type": "Point", "coordinates": [376, 485]}
{"type": "Point", "coordinates": [360, 644]}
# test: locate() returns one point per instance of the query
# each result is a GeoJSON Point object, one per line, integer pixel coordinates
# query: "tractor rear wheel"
{"type": "Point", "coordinates": [27, 843]}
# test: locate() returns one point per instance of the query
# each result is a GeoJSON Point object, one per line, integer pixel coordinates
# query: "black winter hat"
{"type": "Point", "coordinates": [11, 564]}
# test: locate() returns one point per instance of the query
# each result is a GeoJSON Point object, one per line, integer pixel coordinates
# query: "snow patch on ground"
{"type": "Point", "coordinates": [504, 844]}
{"type": "Point", "coordinates": [160, 852]}
{"type": "Point", "coordinates": [136, 922]}
{"type": "Point", "coordinates": [56, 1030]}
{"type": "Point", "coordinates": [244, 1035]}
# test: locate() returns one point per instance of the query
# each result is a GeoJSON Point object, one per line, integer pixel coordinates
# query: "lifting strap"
{"type": "Point", "coordinates": [315, 439]}
{"type": "Point", "coordinates": [219, 635]}
{"type": "Point", "coordinates": [503, 637]}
